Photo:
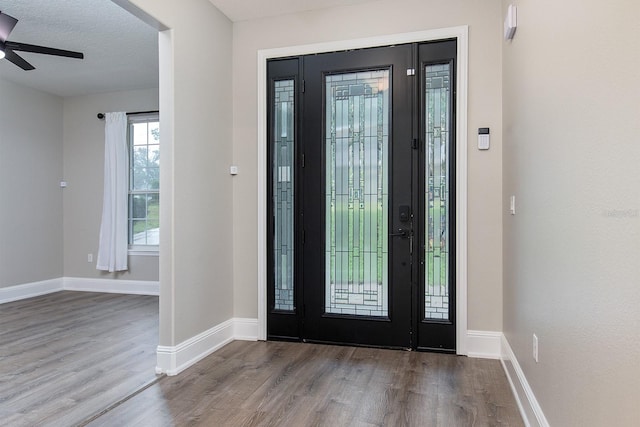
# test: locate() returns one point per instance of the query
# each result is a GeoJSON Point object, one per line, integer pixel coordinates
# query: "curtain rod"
{"type": "Point", "coordinates": [101, 115]}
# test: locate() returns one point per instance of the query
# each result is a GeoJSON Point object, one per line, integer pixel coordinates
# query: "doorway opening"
{"type": "Point", "coordinates": [361, 197]}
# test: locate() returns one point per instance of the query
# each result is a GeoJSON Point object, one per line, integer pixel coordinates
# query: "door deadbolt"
{"type": "Point", "coordinates": [405, 213]}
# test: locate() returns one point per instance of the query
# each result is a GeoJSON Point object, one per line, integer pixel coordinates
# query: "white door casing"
{"type": "Point", "coordinates": [461, 35]}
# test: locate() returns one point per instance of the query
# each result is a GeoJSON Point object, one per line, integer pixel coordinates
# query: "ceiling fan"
{"type": "Point", "coordinates": [8, 48]}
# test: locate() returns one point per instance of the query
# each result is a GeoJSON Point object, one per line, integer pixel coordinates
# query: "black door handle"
{"type": "Point", "coordinates": [401, 233]}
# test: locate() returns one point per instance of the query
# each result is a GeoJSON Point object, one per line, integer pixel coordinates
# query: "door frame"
{"type": "Point", "coordinates": [461, 34]}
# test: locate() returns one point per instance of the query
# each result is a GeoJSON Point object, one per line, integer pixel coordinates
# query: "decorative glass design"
{"type": "Point", "coordinates": [438, 116]}
{"type": "Point", "coordinates": [357, 193]}
{"type": "Point", "coordinates": [283, 186]}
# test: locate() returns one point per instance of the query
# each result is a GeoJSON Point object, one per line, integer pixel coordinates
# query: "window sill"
{"type": "Point", "coordinates": [144, 251]}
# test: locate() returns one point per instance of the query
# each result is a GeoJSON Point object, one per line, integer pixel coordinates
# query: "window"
{"type": "Point", "coordinates": [144, 181]}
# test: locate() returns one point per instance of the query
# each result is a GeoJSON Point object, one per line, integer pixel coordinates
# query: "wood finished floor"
{"type": "Point", "coordinates": [66, 356]}
{"type": "Point", "coordinates": [295, 384]}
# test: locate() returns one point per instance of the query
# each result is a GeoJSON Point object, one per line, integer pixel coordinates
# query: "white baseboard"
{"type": "Point", "coordinates": [527, 403]}
{"type": "Point", "coordinates": [115, 286]}
{"type": "Point", "coordinates": [30, 290]}
{"type": "Point", "coordinates": [174, 359]}
{"type": "Point", "coordinates": [245, 329]}
{"type": "Point", "coordinates": [483, 344]}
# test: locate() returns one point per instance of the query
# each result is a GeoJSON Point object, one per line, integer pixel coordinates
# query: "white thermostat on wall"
{"type": "Point", "coordinates": [483, 138]}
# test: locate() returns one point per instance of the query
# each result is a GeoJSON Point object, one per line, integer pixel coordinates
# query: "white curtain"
{"type": "Point", "coordinates": [112, 252]}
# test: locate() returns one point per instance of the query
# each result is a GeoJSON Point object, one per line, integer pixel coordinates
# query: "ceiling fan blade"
{"type": "Point", "coordinates": [11, 56]}
{"type": "Point", "coordinates": [6, 26]}
{"type": "Point", "coordinates": [24, 47]}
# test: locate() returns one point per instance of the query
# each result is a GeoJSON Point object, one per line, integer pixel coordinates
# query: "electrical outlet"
{"type": "Point", "coordinates": [535, 348]}
{"type": "Point", "coordinates": [89, 257]}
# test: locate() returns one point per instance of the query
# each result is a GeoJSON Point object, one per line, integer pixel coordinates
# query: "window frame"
{"type": "Point", "coordinates": [137, 249]}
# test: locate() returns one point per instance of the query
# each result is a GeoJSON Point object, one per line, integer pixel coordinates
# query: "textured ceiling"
{"type": "Point", "coordinates": [121, 52]}
{"type": "Point", "coordinates": [242, 10]}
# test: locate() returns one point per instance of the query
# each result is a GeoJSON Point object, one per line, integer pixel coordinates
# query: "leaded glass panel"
{"type": "Point", "coordinates": [283, 186]}
{"type": "Point", "coordinates": [438, 116]}
{"type": "Point", "coordinates": [356, 192]}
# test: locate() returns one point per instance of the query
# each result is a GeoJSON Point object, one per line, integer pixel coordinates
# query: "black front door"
{"type": "Point", "coordinates": [360, 183]}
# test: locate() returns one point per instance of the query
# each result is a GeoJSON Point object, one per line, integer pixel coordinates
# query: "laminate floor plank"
{"type": "Point", "coordinates": [67, 356]}
{"type": "Point", "coordinates": [296, 384]}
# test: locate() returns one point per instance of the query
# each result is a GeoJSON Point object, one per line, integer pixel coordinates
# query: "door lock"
{"type": "Point", "coordinates": [404, 212]}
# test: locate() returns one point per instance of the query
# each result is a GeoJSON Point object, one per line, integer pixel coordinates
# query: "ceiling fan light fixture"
{"type": "Point", "coordinates": [2, 55]}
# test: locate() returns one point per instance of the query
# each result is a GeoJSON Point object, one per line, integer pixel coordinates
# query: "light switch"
{"type": "Point", "coordinates": [483, 138]}
{"type": "Point", "coordinates": [512, 205]}
{"type": "Point", "coordinates": [233, 170]}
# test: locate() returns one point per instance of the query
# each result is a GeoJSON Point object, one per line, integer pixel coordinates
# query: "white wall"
{"type": "Point", "coordinates": [571, 158]}
{"type": "Point", "coordinates": [375, 19]}
{"type": "Point", "coordinates": [196, 275]}
{"type": "Point", "coordinates": [84, 173]}
{"type": "Point", "coordinates": [30, 195]}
